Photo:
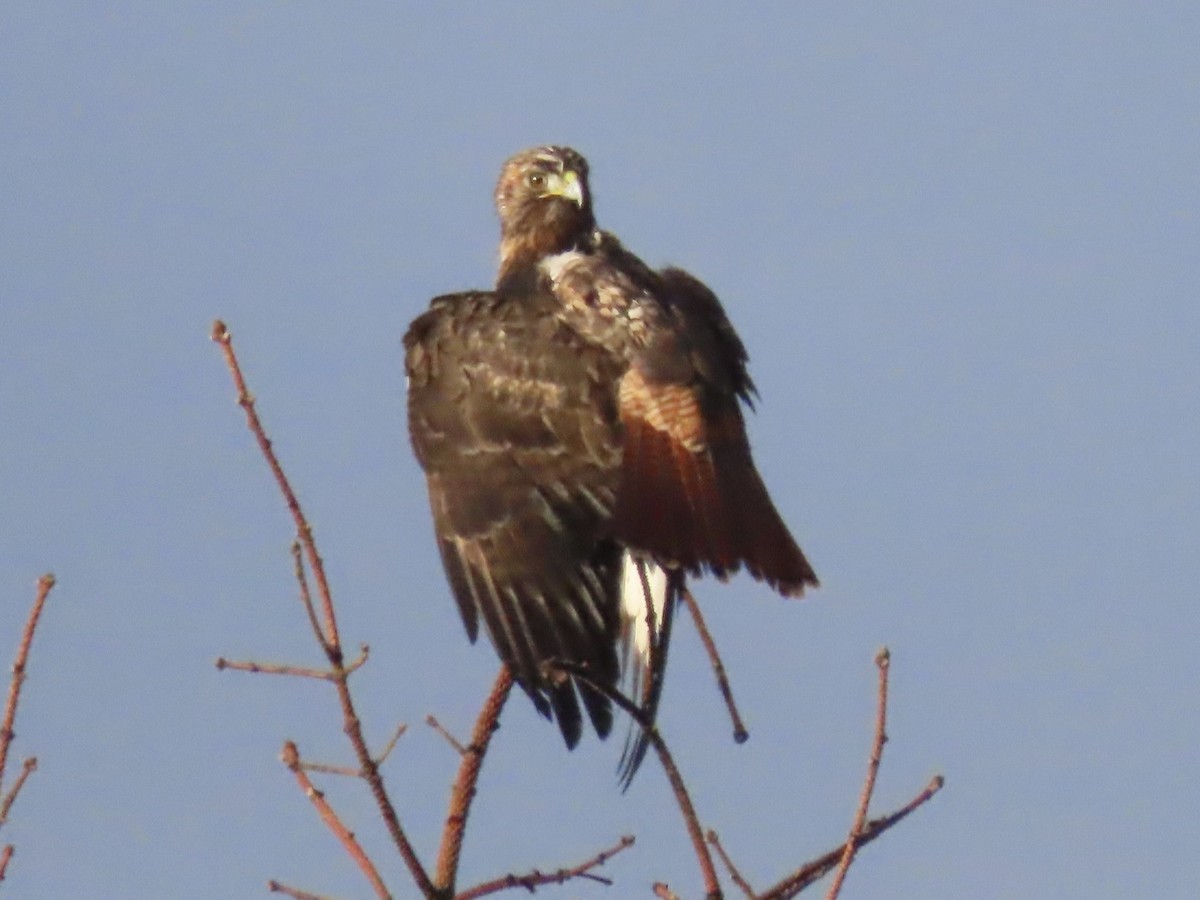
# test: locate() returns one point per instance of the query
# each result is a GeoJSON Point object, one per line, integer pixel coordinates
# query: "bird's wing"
{"type": "Point", "coordinates": [513, 419]}
{"type": "Point", "coordinates": [690, 496]}
{"type": "Point", "coordinates": [690, 493]}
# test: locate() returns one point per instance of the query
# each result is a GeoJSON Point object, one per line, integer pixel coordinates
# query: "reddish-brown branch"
{"type": "Point", "coordinates": [740, 734]}
{"type": "Point", "coordinates": [291, 759]}
{"type": "Point", "coordinates": [535, 879]}
{"type": "Point", "coordinates": [27, 769]}
{"type": "Point", "coordinates": [734, 874]}
{"type": "Point", "coordinates": [221, 335]}
{"type": "Point", "coordinates": [7, 724]}
{"type": "Point", "coordinates": [712, 887]}
{"type": "Point", "coordinates": [432, 721]}
{"type": "Point", "coordinates": [391, 744]}
{"type": "Point", "coordinates": [278, 887]}
{"type": "Point", "coordinates": [794, 883]}
{"type": "Point", "coordinates": [330, 640]}
{"type": "Point", "coordinates": [882, 662]}
{"type": "Point", "coordinates": [306, 595]}
{"type": "Point", "coordinates": [350, 771]}
{"type": "Point", "coordinates": [463, 793]}
{"type": "Point", "coordinates": [45, 584]}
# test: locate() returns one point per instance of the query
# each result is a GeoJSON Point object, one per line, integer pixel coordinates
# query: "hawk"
{"type": "Point", "coordinates": [580, 427]}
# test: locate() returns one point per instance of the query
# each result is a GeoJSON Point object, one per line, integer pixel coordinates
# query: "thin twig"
{"type": "Point", "coordinates": [536, 879]}
{"type": "Point", "coordinates": [734, 874]}
{"type": "Point", "coordinates": [823, 865]}
{"type": "Point", "coordinates": [463, 792]}
{"type": "Point", "coordinates": [432, 722]}
{"type": "Point", "coordinates": [882, 662]}
{"type": "Point", "coordinates": [45, 584]}
{"type": "Point", "coordinates": [296, 671]}
{"type": "Point", "coordinates": [306, 594]}
{"type": "Point", "coordinates": [27, 769]}
{"type": "Point", "coordinates": [220, 334]}
{"type": "Point", "coordinates": [330, 769]}
{"type": "Point", "coordinates": [291, 759]}
{"type": "Point", "coordinates": [740, 734]}
{"type": "Point", "coordinates": [391, 744]}
{"type": "Point", "coordinates": [663, 891]}
{"type": "Point", "coordinates": [350, 771]}
{"type": "Point", "coordinates": [712, 887]}
{"type": "Point", "coordinates": [331, 643]}
{"type": "Point", "coordinates": [278, 887]}
{"type": "Point", "coordinates": [6, 853]}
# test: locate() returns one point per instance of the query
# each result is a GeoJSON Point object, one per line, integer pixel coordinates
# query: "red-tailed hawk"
{"type": "Point", "coordinates": [581, 429]}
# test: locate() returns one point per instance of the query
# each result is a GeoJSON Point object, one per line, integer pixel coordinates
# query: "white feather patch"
{"type": "Point", "coordinates": [635, 629]}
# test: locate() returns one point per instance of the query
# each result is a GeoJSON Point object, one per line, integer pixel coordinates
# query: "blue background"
{"type": "Point", "coordinates": [960, 242]}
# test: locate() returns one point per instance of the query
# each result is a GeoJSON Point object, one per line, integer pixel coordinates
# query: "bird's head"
{"type": "Point", "coordinates": [545, 205]}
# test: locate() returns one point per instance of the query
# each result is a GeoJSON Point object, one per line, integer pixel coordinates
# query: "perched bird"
{"type": "Point", "coordinates": [581, 431]}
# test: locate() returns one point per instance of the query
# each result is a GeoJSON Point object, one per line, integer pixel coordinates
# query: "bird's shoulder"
{"type": "Point", "coordinates": [675, 328]}
{"type": "Point", "coordinates": [498, 372]}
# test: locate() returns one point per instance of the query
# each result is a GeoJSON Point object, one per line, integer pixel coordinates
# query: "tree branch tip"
{"type": "Point", "coordinates": [936, 783]}
{"type": "Point", "coordinates": [883, 658]}
{"type": "Point", "coordinates": [290, 755]}
{"type": "Point", "coordinates": [741, 736]}
{"type": "Point", "coordinates": [220, 332]}
{"type": "Point", "coordinates": [47, 581]}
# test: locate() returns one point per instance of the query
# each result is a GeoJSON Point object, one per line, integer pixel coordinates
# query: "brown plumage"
{"type": "Point", "coordinates": [581, 431]}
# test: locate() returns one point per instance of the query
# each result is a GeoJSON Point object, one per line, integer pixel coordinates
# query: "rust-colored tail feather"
{"type": "Point", "coordinates": [705, 508]}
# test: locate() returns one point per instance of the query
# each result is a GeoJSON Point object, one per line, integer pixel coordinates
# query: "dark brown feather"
{"type": "Point", "coordinates": [505, 417]}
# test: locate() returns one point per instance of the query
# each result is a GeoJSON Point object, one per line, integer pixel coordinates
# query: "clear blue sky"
{"type": "Point", "coordinates": [961, 243]}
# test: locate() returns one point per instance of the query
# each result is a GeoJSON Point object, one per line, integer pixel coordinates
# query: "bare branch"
{"type": "Point", "coordinates": [221, 335]}
{"type": "Point", "coordinates": [391, 744]}
{"type": "Point", "coordinates": [291, 759]}
{"type": "Point", "coordinates": [821, 866]}
{"type": "Point", "coordinates": [306, 595]}
{"type": "Point", "coordinates": [734, 874]}
{"type": "Point", "coordinates": [882, 662]}
{"type": "Point", "coordinates": [278, 887]}
{"type": "Point", "coordinates": [295, 671]}
{"type": "Point", "coordinates": [45, 584]}
{"type": "Point", "coordinates": [450, 739]}
{"type": "Point", "coordinates": [27, 768]}
{"type": "Point", "coordinates": [532, 881]}
{"type": "Point", "coordinates": [350, 771]}
{"type": "Point", "coordinates": [20, 664]}
{"type": "Point", "coordinates": [330, 640]}
{"type": "Point", "coordinates": [712, 886]}
{"type": "Point", "coordinates": [463, 792]}
{"type": "Point", "coordinates": [740, 734]}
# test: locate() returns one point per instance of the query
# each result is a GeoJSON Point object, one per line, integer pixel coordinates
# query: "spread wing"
{"type": "Point", "coordinates": [514, 420]}
{"type": "Point", "coordinates": [690, 493]}
{"type": "Point", "coordinates": [690, 496]}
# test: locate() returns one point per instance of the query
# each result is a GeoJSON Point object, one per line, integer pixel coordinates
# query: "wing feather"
{"type": "Point", "coordinates": [521, 450]}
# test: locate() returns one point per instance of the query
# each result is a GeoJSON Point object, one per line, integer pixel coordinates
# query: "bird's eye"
{"type": "Point", "coordinates": [535, 179]}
